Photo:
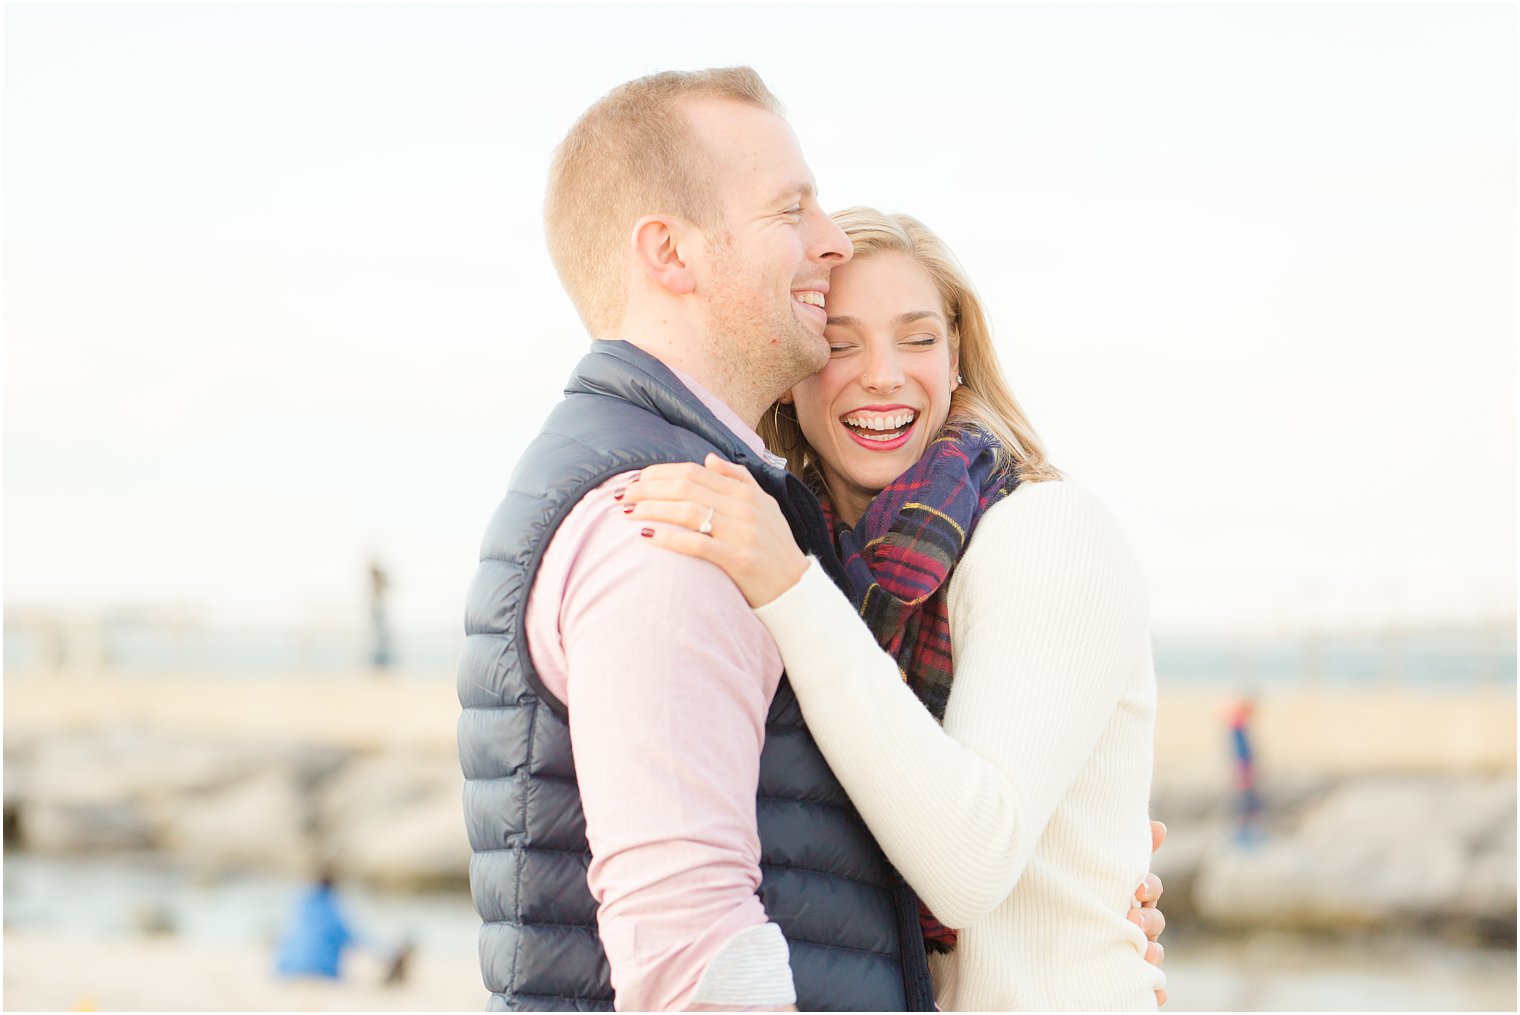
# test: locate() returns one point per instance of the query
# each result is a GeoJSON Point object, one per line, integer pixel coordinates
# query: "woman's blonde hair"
{"type": "Point", "coordinates": [983, 398]}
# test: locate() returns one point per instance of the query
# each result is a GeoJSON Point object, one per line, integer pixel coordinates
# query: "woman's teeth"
{"type": "Point", "coordinates": [876, 421]}
{"type": "Point", "coordinates": [880, 427]}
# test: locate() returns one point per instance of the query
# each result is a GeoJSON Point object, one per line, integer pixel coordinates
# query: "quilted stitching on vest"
{"type": "Point", "coordinates": [848, 919]}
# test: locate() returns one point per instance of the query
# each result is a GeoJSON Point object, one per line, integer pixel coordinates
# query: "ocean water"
{"type": "Point", "coordinates": [121, 895]}
{"type": "Point", "coordinates": [128, 647]}
{"type": "Point", "coordinates": [1455, 657]}
{"type": "Point", "coordinates": [1463, 657]}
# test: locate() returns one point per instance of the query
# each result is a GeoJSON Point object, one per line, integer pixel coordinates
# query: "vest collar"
{"type": "Point", "coordinates": [619, 369]}
{"type": "Point", "coordinates": [623, 370]}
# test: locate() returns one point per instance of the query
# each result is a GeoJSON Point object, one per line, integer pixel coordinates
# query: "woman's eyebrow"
{"type": "Point", "coordinates": [907, 317]}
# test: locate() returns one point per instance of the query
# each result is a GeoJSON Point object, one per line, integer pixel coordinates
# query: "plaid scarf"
{"type": "Point", "coordinates": [898, 561]}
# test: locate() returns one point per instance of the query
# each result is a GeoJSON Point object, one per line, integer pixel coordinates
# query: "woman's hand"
{"type": "Point", "coordinates": [745, 533]}
{"type": "Point", "coordinates": [1147, 915]}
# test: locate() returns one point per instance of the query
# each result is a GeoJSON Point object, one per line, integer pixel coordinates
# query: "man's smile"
{"type": "Point", "coordinates": [813, 300]}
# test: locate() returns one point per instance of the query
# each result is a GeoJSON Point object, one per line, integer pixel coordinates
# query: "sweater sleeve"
{"type": "Point", "coordinates": [1045, 607]}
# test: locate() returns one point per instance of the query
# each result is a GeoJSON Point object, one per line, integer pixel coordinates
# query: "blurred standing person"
{"type": "Point", "coordinates": [380, 631]}
{"type": "Point", "coordinates": [1247, 797]}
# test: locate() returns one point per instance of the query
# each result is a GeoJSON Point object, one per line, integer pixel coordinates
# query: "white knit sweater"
{"type": "Point", "coordinates": [1023, 821]}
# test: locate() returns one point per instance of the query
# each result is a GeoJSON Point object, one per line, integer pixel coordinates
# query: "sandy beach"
{"type": "Point", "coordinates": [1270, 972]}
{"type": "Point", "coordinates": [45, 972]}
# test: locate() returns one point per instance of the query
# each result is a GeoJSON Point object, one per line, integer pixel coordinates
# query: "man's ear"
{"type": "Point", "coordinates": [657, 245]}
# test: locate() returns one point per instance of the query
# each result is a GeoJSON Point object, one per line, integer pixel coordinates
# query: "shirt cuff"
{"type": "Point", "coordinates": [753, 970]}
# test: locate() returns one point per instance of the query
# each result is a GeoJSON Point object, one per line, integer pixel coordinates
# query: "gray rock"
{"type": "Point", "coordinates": [128, 764]}
{"type": "Point", "coordinates": [397, 821]}
{"type": "Point", "coordinates": [91, 827]}
{"type": "Point", "coordinates": [222, 803]}
{"type": "Point", "coordinates": [1371, 853]}
{"type": "Point", "coordinates": [19, 765]}
{"type": "Point", "coordinates": [1178, 861]}
{"type": "Point", "coordinates": [422, 847]}
{"type": "Point", "coordinates": [261, 822]}
{"type": "Point", "coordinates": [1487, 892]}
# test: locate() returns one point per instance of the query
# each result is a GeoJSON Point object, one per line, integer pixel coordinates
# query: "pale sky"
{"type": "Point", "coordinates": [276, 292]}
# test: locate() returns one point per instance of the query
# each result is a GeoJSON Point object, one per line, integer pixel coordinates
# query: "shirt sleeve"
{"type": "Point", "coordinates": [670, 678]}
{"type": "Point", "coordinates": [1045, 607]}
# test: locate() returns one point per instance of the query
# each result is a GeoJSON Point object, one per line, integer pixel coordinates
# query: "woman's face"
{"type": "Point", "coordinates": [872, 410]}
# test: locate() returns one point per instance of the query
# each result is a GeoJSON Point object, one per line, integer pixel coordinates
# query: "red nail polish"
{"type": "Point", "coordinates": [646, 533]}
{"type": "Point", "coordinates": [618, 493]}
{"type": "Point", "coordinates": [628, 510]}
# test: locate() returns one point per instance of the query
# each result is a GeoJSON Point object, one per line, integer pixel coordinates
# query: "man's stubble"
{"type": "Point", "coordinates": [761, 347]}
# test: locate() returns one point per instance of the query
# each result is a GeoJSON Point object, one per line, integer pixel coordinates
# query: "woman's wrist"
{"type": "Point", "coordinates": [788, 574]}
{"type": "Point", "coordinates": [795, 596]}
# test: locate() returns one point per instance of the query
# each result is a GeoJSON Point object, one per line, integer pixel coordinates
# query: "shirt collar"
{"type": "Point", "coordinates": [728, 417]}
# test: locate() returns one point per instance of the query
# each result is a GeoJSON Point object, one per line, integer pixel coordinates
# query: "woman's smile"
{"type": "Point", "coordinates": [880, 427]}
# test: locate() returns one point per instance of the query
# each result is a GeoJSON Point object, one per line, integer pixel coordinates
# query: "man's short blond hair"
{"type": "Point", "coordinates": [633, 153]}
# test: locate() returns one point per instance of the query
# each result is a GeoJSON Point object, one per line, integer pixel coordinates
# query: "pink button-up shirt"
{"type": "Point", "coordinates": [668, 676]}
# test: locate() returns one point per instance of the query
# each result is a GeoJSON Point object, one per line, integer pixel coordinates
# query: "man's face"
{"type": "Point", "coordinates": [768, 261]}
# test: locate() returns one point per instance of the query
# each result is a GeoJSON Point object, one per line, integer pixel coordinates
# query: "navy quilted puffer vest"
{"type": "Point", "coordinates": [850, 921]}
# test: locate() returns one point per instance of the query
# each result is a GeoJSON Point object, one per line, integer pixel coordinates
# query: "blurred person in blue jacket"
{"type": "Point", "coordinates": [315, 934]}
